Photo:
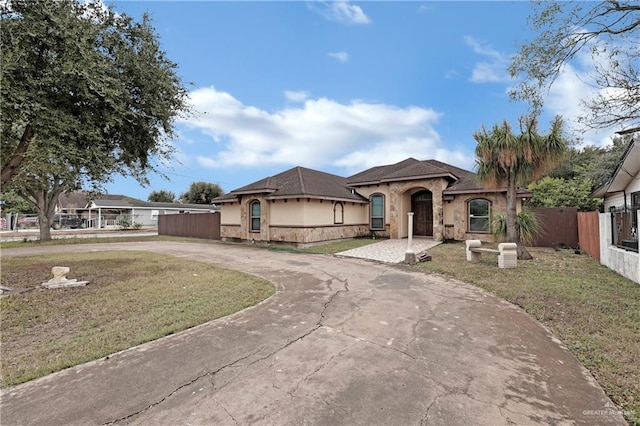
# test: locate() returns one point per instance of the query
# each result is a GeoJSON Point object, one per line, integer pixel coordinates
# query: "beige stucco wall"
{"type": "Point", "coordinates": [303, 221]}
{"type": "Point", "coordinates": [314, 212]}
{"type": "Point", "coordinates": [287, 213]}
{"type": "Point", "coordinates": [230, 214]}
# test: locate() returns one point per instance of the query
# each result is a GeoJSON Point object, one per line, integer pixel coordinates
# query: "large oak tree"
{"type": "Point", "coordinates": [86, 93]}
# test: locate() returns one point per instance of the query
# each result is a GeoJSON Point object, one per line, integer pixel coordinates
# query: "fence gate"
{"type": "Point", "coordinates": [559, 227]}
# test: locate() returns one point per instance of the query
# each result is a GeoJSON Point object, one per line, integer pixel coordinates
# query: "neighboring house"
{"type": "Point", "coordinates": [108, 210]}
{"type": "Point", "coordinates": [619, 223]}
{"type": "Point", "coordinates": [303, 205]}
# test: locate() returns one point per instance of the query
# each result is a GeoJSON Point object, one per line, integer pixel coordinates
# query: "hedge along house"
{"type": "Point", "coordinates": [306, 206]}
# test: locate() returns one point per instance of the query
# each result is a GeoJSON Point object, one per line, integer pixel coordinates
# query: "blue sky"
{"type": "Point", "coordinates": [338, 86]}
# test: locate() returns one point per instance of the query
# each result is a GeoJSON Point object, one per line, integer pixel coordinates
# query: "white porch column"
{"type": "Point", "coordinates": [409, 255]}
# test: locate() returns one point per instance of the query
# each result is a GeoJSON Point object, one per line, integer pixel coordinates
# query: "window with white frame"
{"type": "Point", "coordinates": [479, 216]}
{"type": "Point", "coordinates": [376, 209]}
{"type": "Point", "coordinates": [254, 219]}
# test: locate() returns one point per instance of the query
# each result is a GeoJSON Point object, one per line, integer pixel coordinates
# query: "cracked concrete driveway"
{"type": "Point", "coordinates": [343, 341]}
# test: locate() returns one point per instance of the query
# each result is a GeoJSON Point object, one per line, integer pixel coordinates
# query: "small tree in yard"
{"type": "Point", "coordinates": [86, 93]}
{"type": "Point", "coordinates": [505, 159]}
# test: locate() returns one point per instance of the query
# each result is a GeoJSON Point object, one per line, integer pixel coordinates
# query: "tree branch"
{"type": "Point", "coordinates": [10, 168]}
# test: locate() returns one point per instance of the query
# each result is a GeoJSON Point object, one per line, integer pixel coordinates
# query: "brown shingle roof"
{"type": "Point", "coordinates": [298, 182]}
{"type": "Point", "coordinates": [462, 181]}
{"type": "Point", "coordinates": [408, 169]}
{"type": "Point", "coordinates": [303, 182]}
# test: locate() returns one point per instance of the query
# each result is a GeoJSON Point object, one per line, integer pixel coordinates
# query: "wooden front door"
{"type": "Point", "coordinates": [422, 207]}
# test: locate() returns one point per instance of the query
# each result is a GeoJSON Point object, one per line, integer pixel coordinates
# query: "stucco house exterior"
{"type": "Point", "coordinates": [619, 222]}
{"type": "Point", "coordinates": [302, 205]}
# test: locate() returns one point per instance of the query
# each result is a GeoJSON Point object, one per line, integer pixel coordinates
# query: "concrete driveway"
{"type": "Point", "coordinates": [343, 341]}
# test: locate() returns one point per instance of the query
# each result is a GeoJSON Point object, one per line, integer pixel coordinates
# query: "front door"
{"type": "Point", "coordinates": [422, 207]}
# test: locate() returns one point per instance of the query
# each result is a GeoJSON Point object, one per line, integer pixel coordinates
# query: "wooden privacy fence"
{"type": "Point", "coordinates": [589, 233]}
{"type": "Point", "coordinates": [195, 225]}
{"type": "Point", "coordinates": [559, 227]}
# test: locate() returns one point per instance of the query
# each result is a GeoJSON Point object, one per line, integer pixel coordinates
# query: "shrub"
{"type": "Point", "coordinates": [526, 223]}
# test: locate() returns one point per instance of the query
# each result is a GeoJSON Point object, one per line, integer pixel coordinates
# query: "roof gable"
{"type": "Point", "coordinates": [625, 172]}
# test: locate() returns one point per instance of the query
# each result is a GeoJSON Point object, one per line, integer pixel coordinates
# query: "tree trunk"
{"type": "Point", "coordinates": [10, 167]}
{"type": "Point", "coordinates": [512, 215]}
{"type": "Point", "coordinates": [45, 206]}
{"type": "Point", "coordinates": [523, 253]}
{"type": "Point", "coordinates": [45, 228]}
{"type": "Point", "coordinates": [45, 214]}
{"type": "Point", "coordinates": [512, 218]}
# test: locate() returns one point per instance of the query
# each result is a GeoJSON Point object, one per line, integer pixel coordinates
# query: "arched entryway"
{"type": "Point", "coordinates": [422, 208]}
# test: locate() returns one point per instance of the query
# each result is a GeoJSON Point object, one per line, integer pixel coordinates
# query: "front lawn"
{"type": "Point", "coordinates": [593, 310]}
{"type": "Point", "coordinates": [132, 298]}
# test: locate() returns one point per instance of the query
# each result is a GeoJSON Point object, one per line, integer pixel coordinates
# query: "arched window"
{"type": "Point", "coordinates": [254, 216]}
{"type": "Point", "coordinates": [338, 213]}
{"type": "Point", "coordinates": [479, 216]}
{"type": "Point", "coordinates": [376, 212]}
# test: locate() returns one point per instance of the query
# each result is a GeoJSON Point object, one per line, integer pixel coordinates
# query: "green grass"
{"type": "Point", "coordinates": [593, 310]}
{"type": "Point", "coordinates": [132, 298]}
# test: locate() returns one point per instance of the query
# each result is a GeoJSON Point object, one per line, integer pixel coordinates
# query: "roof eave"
{"type": "Point", "coordinates": [317, 197]}
{"type": "Point", "coordinates": [521, 193]}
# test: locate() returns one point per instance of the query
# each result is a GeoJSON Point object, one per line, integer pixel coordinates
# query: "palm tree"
{"type": "Point", "coordinates": [505, 159]}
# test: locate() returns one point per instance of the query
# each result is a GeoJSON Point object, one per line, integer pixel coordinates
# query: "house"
{"type": "Point", "coordinates": [619, 222]}
{"type": "Point", "coordinates": [110, 209]}
{"type": "Point", "coordinates": [302, 205]}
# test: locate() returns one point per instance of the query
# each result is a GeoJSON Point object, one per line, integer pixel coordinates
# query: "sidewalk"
{"type": "Point", "coordinates": [389, 251]}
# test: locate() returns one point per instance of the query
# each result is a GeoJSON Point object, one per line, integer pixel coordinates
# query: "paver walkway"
{"type": "Point", "coordinates": [389, 251]}
{"type": "Point", "coordinates": [342, 342]}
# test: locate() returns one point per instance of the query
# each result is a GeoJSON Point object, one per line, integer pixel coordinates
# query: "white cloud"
{"type": "Point", "coordinates": [340, 11]}
{"type": "Point", "coordinates": [341, 56]}
{"type": "Point", "coordinates": [295, 96]}
{"type": "Point", "coordinates": [492, 70]}
{"type": "Point", "coordinates": [318, 133]}
{"type": "Point", "coordinates": [424, 9]}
